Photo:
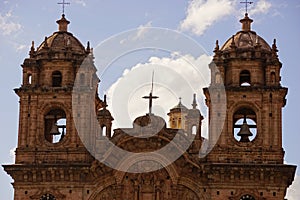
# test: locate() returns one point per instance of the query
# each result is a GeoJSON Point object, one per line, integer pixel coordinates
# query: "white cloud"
{"type": "Point", "coordinates": [142, 30]}
{"type": "Point", "coordinates": [293, 192]}
{"type": "Point", "coordinates": [7, 26]}
{"type": "Point", "coordinates": [81, 2]}
{"type": "Point", "coordinates": [201, 14]}
{"type": "Point", "coordinates": [175, 76]}
{"type": "Point", "coordinates": [139, 34]}
{"type": "Point", "coordinates": [12, 154]}
{"type": "Point", "coordinates": [21, 47]}
{"type": "Point", "coordinates": [262, 6]}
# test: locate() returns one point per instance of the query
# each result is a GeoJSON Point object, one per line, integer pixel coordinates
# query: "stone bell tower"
{"type": "Point", "coordinates": [49, 150]}
{"type": "Point", "coordinates": [249, 145]}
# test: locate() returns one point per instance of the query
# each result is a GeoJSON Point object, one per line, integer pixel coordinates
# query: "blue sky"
{"type": "Point", "coordinates": [95, 21]}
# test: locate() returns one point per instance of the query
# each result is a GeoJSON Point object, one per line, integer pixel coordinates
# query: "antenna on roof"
{"type": "Point", "coordinates": [63, 3]}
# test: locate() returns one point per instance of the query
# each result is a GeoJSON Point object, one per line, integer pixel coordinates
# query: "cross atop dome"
{"type": "Point", "coordinates": [151, 97]}
{"type": "Point", "coordinates": [246, 2]}
{"type": "Point", "coordinates": [63, 3]}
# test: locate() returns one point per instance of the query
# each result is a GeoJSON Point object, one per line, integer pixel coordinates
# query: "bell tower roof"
{"type": "Point", "coordinates": [246, 38]}
{"type": "Point", "coordinates": [61, 40]}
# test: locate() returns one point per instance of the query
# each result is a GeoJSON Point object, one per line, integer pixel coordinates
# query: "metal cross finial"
{"type": "Point", "coordinates": [246, 2]}
{"type": "Point", "coordinates": [63, 5]}
{"type": "Point", "coordinates": [151, 97]}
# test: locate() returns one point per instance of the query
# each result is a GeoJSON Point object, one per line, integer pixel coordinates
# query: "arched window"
{"type": "Point", "coordinates": [55, 125]}
{"type": "Point", "coordinates": [247, 197]}
{"type": "Point", "coordinates": [245, 78]}
{"type": "Point", "coordinates": [103, 130]}
{"type": "Point", "coordinates": [244, 125]}
{"type": "Point", "coordinates": [29, 79]}
{"type": "Point", "coordinates": [273, 77]}
{"type": "Point", "coordinates": [47, 197]}
{"type": "Point", "coordinates": [179, 123]}
{"type": "Point", "coordinates": [56, 79]}
{"type": "Point", "coordinates": [173, 122]}
{"type": "Point", "coordinates": [194, 129]}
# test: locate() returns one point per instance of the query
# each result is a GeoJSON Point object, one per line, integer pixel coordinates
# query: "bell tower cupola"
{"type": "Point", "coordinates": [249, 69]}
{"type": "Point", "coordinates": [47, 137]}
{"type": "Point", "coordinates": [246, 93]}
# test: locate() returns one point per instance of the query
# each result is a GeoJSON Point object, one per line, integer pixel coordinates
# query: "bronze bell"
{"type": "Point", "coordinates": [54, 130]}
{"type": "Point", "coordinates": [244, 132]}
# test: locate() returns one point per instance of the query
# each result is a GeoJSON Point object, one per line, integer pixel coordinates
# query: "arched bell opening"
{"type": "Point", "coordinates": [245, 78]}
{"type": "Point", "coordinates": [273, 78]}
{"type": "Point", "coordinates": [244, 125]}
{"type": "Point", "coordinates": [29, 79]}
{"type": "Point", "coordinates": [55, 125]}
{"type": "Point", "coordinates": [48, 197]}
{"type": "Point", "coordinates": [56, 79]}
{"type": "Point", "coordinates": [247, 197]}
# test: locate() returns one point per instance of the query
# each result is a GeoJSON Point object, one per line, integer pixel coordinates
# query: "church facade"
{"type": "Point", "coordinates": [57, 160]}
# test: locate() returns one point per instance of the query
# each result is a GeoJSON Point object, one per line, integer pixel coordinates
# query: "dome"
{"type": "Point", "coordinates": [62, 40]}
{"type": "Point", "coordinates": [104, 113]}
{"type": "Point", "coordinates": [150, 121]}
{"type": "Point", "coordinates": [179, 108]}
{"type": "Point", "coordinates": [246, 38]}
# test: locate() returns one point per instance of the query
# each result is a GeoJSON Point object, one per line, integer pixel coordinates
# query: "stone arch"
{"type": "Point", "coordinates": [193, 186]}
{"type": "Point", "coordinates": [43, 110]}
{"type": "Point", "coordinates": [101, 186]}
{"type": "Point", "coordinates": [245, 78]}
{"type": "Point", "coordinates": [54, 191]}
{"type": "Point", "coordinates": [55, 125]}
{"type": "Point", "coordinates": [255, 108]}
{"type": "Point", "coordinates": [171, 169]}
{"type": "Point", "coordinates": [246, 194]}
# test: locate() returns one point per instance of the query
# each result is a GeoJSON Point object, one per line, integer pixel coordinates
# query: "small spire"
{"type": "Point", "coordinates": [45, 42]}
{"type": "Point", "coordinates": [105, 104]}
{"type": "Point", "coordinates": [246, 23]}
{"type": "Point", "coordinates": [217, 46]}
{"type": "Point", "coordinates": [274, 46]}
{"type": "Point", "coordinates": [88, 49]}
{"type": "Point", "coordinates": [194, 104]}
{"type": "Point", "coordinates": [63, 24]}
{"type": "Point", "coordinates": [31, 52]}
